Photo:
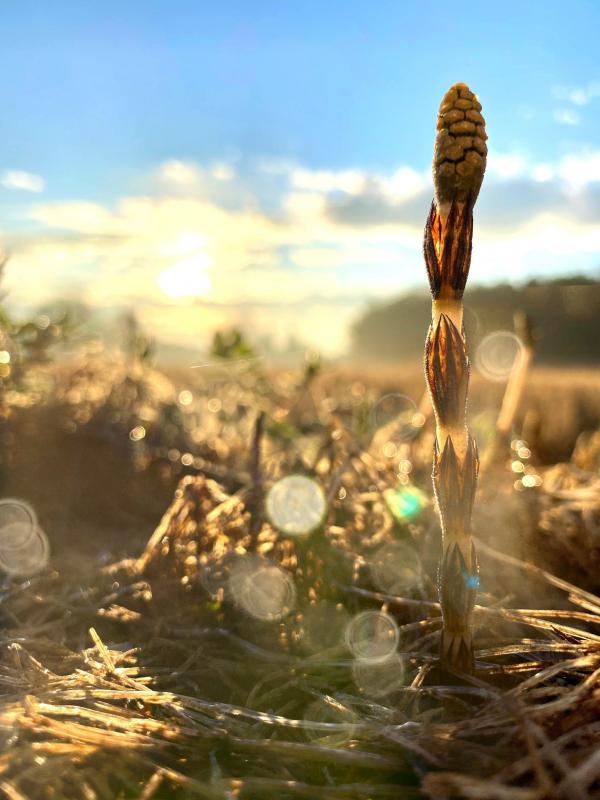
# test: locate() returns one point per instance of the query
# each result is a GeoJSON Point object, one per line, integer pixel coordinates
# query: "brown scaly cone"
{"type": "Point", "coordinates": [460, 148]}
{"type": "Point", "coordinates": [458, 168]}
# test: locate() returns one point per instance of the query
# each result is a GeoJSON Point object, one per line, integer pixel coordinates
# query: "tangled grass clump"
{"type": "Point", "coordinates": [149, 677]}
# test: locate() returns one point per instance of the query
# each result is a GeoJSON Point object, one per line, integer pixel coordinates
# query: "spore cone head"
{"type": "Point", "coordinates": [460, 147]}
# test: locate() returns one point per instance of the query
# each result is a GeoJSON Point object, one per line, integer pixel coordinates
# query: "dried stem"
{"type": "Point", "coordinates": [513, 393]}
{"type": "Point", "coordinates": [516, 381]}
{"type": "Point", "coordinates": [459, 164]}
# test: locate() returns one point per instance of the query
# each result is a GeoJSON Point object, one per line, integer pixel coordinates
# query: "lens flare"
{"type": "Point", "coordinates": [395, 568]}
{"type": "Point", "coordinates": [18, 522]}
{"type": "Point", "coordinates": [406, 503]}
{"type": "Point", "coordinates": [263, 590]}
{"type": "Point", "coordinates": [186, 398]}
{"type": "Point", "coordinates": [24, 548]}
{"type": "Point", "coordinates": [380, 678]}
{"type": "Point", "coordinates": [498, 355]}
{"type": "Point", "coordinates": [399, 414]}
{"type": "Point", "coordinates": [372, 636]}
{"type": "Point", "coordinates": [296, 505]}
{"type": "Point", "coordinates": [28, 559]}
{"type": "Point", "coordinates": [332, 723]}
{"type": "Point", "coordinates": [189, 277]}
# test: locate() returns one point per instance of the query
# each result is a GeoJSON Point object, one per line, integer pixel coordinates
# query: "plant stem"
{"type": "Point", "coordinates": [459, 164]}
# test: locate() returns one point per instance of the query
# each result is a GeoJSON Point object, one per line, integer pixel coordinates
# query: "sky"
{"type": "Point", "coordinates": [267, 164]}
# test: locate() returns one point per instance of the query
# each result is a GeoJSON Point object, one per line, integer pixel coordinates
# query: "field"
{"type": "Point", "coordinates": [177, 644]}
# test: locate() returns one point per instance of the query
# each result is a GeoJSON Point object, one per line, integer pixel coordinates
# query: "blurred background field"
{"type": "Point", "coordinates": [110, 429]}
{"type": "Point", "coordinates": [177, 639]}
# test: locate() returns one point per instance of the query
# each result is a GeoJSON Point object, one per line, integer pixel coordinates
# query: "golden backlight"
{"type": "Point", "coordinates": [189, 275]}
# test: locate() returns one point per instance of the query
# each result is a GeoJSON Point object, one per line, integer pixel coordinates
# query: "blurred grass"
{"type": "Point", "coordinates": [178, 692]}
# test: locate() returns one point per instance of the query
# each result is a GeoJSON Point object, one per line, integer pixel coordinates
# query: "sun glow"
{"type": "Point", "coordinates": [186, 278]}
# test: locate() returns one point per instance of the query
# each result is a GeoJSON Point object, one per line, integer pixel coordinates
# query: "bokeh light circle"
{"type": "Point", "coordinates": [296, 505]}
{"type": "Point", "coordinates": [18, 522]}
{"type": "Point", "coordinates": [471, 323]}
{"type": "Point", "coordinates": [262, 589]}
{"type": "Point", "coordinates": [28, 559]}
{"type": "Point", "coordinates": [372, 636]}
{"type": "Point", "coordinates": [398, 414]}
{"type": "Point", "coordinates": [24, 548]}
{"type": "Point", "coordinates": [379, 678]}
{"type": "Point", "coordinates": [498, 354]}
{"type": "Point", "coordinates": [329, 723]}
{"type": "Point", "coordinates": [405, 503]}
{"type": "Point", "coordinates": [395, 568]}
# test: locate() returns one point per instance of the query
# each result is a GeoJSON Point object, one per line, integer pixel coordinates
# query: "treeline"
{"type": "Point", "coordinates": [565, 314]}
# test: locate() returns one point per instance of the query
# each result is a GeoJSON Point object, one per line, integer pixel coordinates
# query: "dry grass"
{"type": "Point", "coordinates": [130, 679]}
{"type": "Point", "coordinates": [558, 404]}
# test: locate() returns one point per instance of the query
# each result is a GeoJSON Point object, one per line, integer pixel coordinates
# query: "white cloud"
{"type": "Point", "coordinates": [350, 181]}
{"type": "Point", "coordinates": [546, 245]}
{"type": "Point", "coordinates": [140, 246]}
{"type": "Point", "coordinates": [305, 206]}
{"type": "Point", "coordinates": [575, 170]}
{"type": "Point", "coordinates": [190, 179]}
{"type": "Point", "coordinates": [182, 173]}
{"type": "Point", "coordinates": [79, 216]}
{"type": "Point", "coordinates": [190, 261]}
{"type": "Point", "coordinates": [579, 96]}
{"type": "Point", "coordinates": [25, 181]}
{"type": "Point", "coordinates": [580, 169]}
{"type": "Point", "coordinates": [542, 172]}
{"type": "Point", "coordinates": [506, 165]}
{"type": "Point", "coordinates": [404, 182]}
{"type": "Point", "coordinates": [317, 257]}
{"type": "Point", "coordinates": [222, 171]}
{"type": "Point", "coordinates": [336, 256]}
{"type": "Point", "coordinates": [566, 116]}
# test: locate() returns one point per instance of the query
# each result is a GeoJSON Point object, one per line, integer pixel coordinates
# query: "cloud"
{"type": "Point", "coordinates": [317, 257]}
{"type": "Point", "coordinates": [180, 173]}
{"type": "Point", "coordinates": [505, 165]}
{"type": "Point", "coordinates": [542, 172]}
{"type": "Point", "coordinates": [350, 181]}
{"type": "Point", "coordinates": [222, 171]}
{"type": "Point", "coordinates": [24, 181]}
{"type": "Point", "coordinates": [566, 116]}
{"type": "Point", "coordinates": [149, 248]}
{"type": "Point", "coordinates": [201, 247]}
{"type": "Point", "coordinates": [334, 257]}
{"type": "Point", "coordinates": [516, 191]}
{"type": "Point", "coordinates": [80, 216]}
{"type": "Point", "coordinates": [375, 208]}
{"type": "Point", "coordinates": [579, 170]}
{"type": "Point", "coordinates": [188, 277]}
{"type": "Point", "coordinates": [357, 198]}
{"type": "Point", "coordinates": [404, 182]}
{"type": "Point", "coordinates": [544, 246]}
{"type": "Point", "coordinates": [578, 96]}
{"type": "Point", "coordinates": [186, 175]}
